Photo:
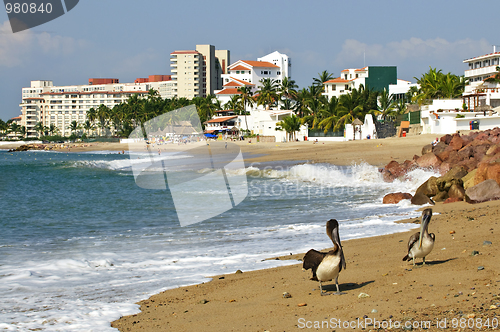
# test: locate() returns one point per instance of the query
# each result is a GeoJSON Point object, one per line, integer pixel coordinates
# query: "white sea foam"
{"type": "Point", "coordinates": [86, 281]}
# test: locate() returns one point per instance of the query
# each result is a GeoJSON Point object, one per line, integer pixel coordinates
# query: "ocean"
{"type": "Point", "coordinates": [81, 243]}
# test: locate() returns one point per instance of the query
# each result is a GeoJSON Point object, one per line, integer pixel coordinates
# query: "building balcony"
{"type": "Point", "coordinates": [490, 70]}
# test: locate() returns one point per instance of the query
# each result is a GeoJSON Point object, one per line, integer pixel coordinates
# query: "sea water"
{"type": "Point", "coordinates": [81, 243]}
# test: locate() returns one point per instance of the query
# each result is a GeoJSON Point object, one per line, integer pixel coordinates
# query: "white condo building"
{"type": "Point", "coordinates": [478, 92]}
{"type": "Point", "coordinates": [275, 66]}
{"type": "Point", "coordinates": [60, 105]}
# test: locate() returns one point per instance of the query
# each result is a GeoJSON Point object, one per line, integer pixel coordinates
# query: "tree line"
{"type": "Point", "coordinates": [309, 105]}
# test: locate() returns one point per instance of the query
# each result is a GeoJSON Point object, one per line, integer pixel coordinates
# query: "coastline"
{"type": "Point", "coordinates": [449, 287]}
{"type": "Point", "coordinates": [376, 152]}
{"type": "Point", "coordinates": [452, 286]}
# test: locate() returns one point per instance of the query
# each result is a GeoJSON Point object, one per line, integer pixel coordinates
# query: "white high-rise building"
{"type": "Point", "coordinates": [60, 105]}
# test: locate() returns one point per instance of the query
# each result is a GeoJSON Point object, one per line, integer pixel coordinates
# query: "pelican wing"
{"type": "Point", "coordinates": [411, 242]}
{"type": "Point", "coordinates": [312, 259]}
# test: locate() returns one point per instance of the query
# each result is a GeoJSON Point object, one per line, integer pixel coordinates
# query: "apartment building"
{"type": "Point", "coordinates": [197, 73]}
{"type": "Point", "coordinates": [60, 105]}
{"type": "Point", "coordinates": [275, 66]}
{"type": "Point", "coordinates": [373, 77]}
{"type": "Point", "coordinates": [478, 92]}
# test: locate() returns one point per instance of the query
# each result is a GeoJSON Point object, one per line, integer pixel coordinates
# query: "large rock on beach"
{"type": "Point", "coordinates": [456, 143]}
{"type": "Point", "coordinates": [395, 198]}
{"type": "Point", "coordinates": [485, 191]}
{"type": "Point", "coordinates": [426, 149]}
{"type": "Point", "coordinates": [421, 199]}
{"type": "Point", "coordinates": [456, 191]}
{"type": "Point", "coordinates": [469, 179]}
{"type": "Point", "coordinates": [429, 188]}
{"type": "Point", "coordinates": [429, 160]}
{"type": "Point", "coordinates": [441, 196]}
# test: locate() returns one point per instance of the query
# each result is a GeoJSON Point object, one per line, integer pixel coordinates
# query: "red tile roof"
{"type": "Point", "coordinates": [221, 119]}
{"type": "Point", "coordinates": [230, 91]}
{"type": "Point", "coordinates": [239, 68]}
{"type": "Point", "coordinates": [242, 82]}
{"type": "Point", "coordinates": [263, 64]}
{"type": "Point", "coordinates": [337, 80]}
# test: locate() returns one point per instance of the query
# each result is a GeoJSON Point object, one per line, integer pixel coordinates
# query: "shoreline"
{"type": "Point", "coordinates": [376, 152]}
{"type": "Point", "coordinates": [450, 286]}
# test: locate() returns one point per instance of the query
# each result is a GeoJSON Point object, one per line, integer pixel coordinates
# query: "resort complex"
{"type": "Point", "coordinates": [207, 72]}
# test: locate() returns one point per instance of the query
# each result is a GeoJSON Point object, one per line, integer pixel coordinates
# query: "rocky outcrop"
{"type": "Point", "coordinates": [464, 162]}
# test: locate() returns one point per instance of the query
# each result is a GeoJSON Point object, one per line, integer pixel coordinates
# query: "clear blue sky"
{"type": "Point", "coordinates": [128, 39]}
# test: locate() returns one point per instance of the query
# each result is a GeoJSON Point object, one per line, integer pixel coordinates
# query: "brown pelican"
{"type": "Point", "coordinates": [421, 243]}
{"type": "Point", "coordinates": [327, 266]}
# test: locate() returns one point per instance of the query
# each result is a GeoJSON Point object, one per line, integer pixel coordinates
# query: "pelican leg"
{"type": "Point", "coordinates": [413, 261]}
{"type": "Point", "coordinates": [321, 290]}
{"type": "Point", "coordinates": [423, 261]}
{"type": "Point", "coordinates": [337, 284]}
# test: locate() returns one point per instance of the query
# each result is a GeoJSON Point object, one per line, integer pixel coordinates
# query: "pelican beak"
{"type": "Point", "coordinates": [423, 226]}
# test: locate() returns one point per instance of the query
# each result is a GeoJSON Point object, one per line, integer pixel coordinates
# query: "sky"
{"type": "Point", "coordinates": [128, 39]}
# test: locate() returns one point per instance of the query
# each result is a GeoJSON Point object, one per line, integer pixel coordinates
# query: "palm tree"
{"type": "Point", "coordinates": [103, 115]}
{"type": "Point", "coordinates": [15, 128]}
{"type": "Point", "coordinates": [290, 124]}
{"type": "Point", "coordinates": [88, 126]}
{"type": "Point", "coordinates": [74, 126]}
{"type": "Point", "coordinates": [349, 108]}
{"type": "Point", "coordinates": [329, 114]}
{"type": "Point", "coordinates": [39, 128]}
{"type": "Point", "coordinates": [267, 92]}
{"type": "Point", "coordinates": [386, 104]}
{"type": "Point", "coordinates": [322, 77]}
{"type": "Point", "coordinates": [246, 98]}
{"type": "Point", "coordinates": [52, 129]}
{"type": "Point", "coordinates": [287, 89]}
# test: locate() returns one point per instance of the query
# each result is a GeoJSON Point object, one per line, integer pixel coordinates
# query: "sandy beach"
{"type": "Point", "coordinates": [459, 285]}
{"type": "Point", "coordinates": [458, 288]}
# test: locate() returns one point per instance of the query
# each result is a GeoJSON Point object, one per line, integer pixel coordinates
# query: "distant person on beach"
{"type": "Point", "coordinates": [435, 142]}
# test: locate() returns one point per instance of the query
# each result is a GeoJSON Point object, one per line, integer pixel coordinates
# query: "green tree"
{"type": "Point", "coordinates": [39, 128]}
{"type": "Point", "coordinates": [246, 98]}
{"type": "Point", "coordinates": [74, 126]}
{"type": "Point", "coordinates": [267, 92]}
{"type": "Point", "coordinates": [290, 124]}
{"type": "Point", "coordinates": [322, 78]}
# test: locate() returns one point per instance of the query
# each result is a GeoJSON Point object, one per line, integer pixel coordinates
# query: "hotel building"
{"type": "Point", "coordinates": [60, 105]}
{"type": "Point", "coordinates": [478, 92]}
{"type": "Point", "coordinates": [197, 73]}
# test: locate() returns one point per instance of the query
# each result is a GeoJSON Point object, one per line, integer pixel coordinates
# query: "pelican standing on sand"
{"type": "Point", "coordinates": [327, 266]}
{"type": "Point", "coordinates": [421, 243]}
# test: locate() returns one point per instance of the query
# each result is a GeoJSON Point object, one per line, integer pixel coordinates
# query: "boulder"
{"type": "Point", "coordinates": [457, 172]}
{"type": "Point", "coordinates": [445, 184]}
{"type": "Point", "coordinates": [484, 191]}
{"type": "Point", "coordinates": [395, 198]}
{"type": "Point", "coordinates": [441, 196]}
{"type": "Point", "coordinates": [456, 143]}
{"type": "Point", "coordinates": [429, 160]}
{"type": "Point", "coordinates": [468, 180]}
{"type": "Point", "coordinates": [456, 191]}
{"type": "Point", "coordinates": [493, 150]}
{"type": "Point", "coordinates": [426, 149]}
{"type": "Point", "coordinates": [428, 188]}
{"type": "Point", "coordinates": [486, 171]}
{"type": "Point", "coordinates": [438, 148]}
{"type": "Point", "coordinates": [446, 139]}
{"type": "Point", "coordinates": [466, 152]}
{"type": "Point", "coordinates": [444, 167]}
{"type": "Point", "coordinates": [421, 199]}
